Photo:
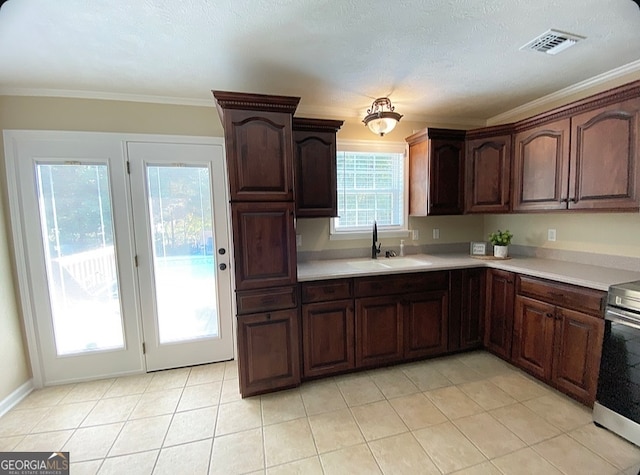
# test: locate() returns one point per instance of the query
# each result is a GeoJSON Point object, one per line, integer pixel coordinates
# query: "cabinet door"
{"type": "Point", "coordinates": [541, 167]}
{"type": "Point", "coordinates": [379, 338]}
{"type": "Point", "coordinates": [425, 323]}
{"type": "Point", "coordinates": [264, 245]}
{"type": "Point", "coordinates": [499, 312]}
{"type": "Point", "coordinates": [327, 337]}
{"type": "Point", "coordinates": [419, 175]}
{"type": "Point", "coordinates": [259, 155]}
{"type": "Point", "coordinates": [578, 340]}
{"type": "Point", "coordinates": [268, 352]}
{"type": "Point", "coordinates": [605, 156]}
{"type": "Point", "coordinates": [533, 336]}
{"type": "Point", "coordinates": [436, 172]}
{"type": "Point", "coordinates": [314, 144]}
{"type": "Point", "coordinates": [473, 298]}
{"type": "Point", "coordinates": [488, 175]}
{"type": "Point", "coordinates": [446, 177]}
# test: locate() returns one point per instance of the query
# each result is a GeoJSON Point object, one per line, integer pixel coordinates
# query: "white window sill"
{"type": "Point", "coordinates": [345, 236]}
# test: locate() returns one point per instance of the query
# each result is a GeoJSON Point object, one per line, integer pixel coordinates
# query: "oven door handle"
{"type": "Point", "coordinates": [622, 317]}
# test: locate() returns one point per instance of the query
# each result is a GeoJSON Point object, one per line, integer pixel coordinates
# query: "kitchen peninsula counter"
{"type": "Point", "coordinates": [585, 275]}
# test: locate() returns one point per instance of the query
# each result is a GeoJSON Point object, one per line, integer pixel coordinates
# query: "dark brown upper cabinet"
{"type": "Point", "coordinates": [488, 170]}
{"type": "Point", "coordinates": [314, 151]}
{"type": "Point", "coordinates": [582, 156]}
{"type": "Point", "coordinates": [264, 245]}
{"type": "Point", "coordinates": [605, 158]}
{"type": "Point", "coordinates": [541, 167]}
{"type": "Point", "coordinates": [259, 143]}
{"type": "Point", "coordinates": [436, 172]}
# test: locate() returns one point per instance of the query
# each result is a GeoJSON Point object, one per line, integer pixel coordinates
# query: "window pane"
{"type": "Point", "coordinates": [77, 233]}
{"type": "Point", "coordinates": [370, 188]}
{"type": "Point", "coordinates": [183, 252]}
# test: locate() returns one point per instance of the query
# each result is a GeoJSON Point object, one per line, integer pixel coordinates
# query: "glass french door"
{"type": "Point", "coordinates": [79, 257]}
{"type": "Point", "coordinates": [126, 264]}
{"type": "Point", "coordinates": [180, 216]}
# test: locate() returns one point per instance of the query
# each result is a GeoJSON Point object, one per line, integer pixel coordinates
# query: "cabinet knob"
{"type": "Point", "coordinates": [548, 315]}
{"type": "Point", "coordinates": [268, 316]}
{"type": "Point", "coordinates": [222, 251]}
{"type": "Point", "coordinates": [222, 266]}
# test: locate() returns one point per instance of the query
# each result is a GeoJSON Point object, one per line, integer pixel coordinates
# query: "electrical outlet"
{"type": "Point", "coordinates": [551, 235]}
{"type": "Point", "coordinates": [415, 234]}
{"type": "Point", "coordinates": [298, 240]}
{"type": "Point", "coordinates": [436, 233]}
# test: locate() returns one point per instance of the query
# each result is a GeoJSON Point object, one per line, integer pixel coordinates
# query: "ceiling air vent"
{"type": "Point", "coordinates": [552, 42]}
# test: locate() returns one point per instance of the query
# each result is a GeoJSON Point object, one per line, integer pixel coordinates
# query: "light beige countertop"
{"type": "Point", "coordinates": [585, 275]}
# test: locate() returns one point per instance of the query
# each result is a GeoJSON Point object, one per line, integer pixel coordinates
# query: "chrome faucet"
{"type": "Point", "coordinates": [375, 248]}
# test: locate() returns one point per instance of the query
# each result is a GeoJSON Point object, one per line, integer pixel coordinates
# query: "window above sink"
{"type": "Point", "coordinates": [372, 186]}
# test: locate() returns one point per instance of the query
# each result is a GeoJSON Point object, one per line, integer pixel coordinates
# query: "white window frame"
{"type": "Point", "coordinates": [383, 231]}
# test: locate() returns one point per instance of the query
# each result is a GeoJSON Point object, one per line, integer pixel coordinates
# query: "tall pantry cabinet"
{"type": "Point", "coordinates": [259, 147]}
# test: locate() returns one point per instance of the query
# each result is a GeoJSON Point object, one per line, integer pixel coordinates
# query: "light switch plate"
{"type": "Point", "coordinates": [415, 234]}
{"type": "Point", "coordinates": [298, 240]}
{"type": "Point", "coordinates": [551, 235]}
{"type": "Point", "coordinates": [436, 233]}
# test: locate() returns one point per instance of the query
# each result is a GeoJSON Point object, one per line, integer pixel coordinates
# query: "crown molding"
{"type": "Point", "coordinates": [554, 97]}
{"type": "Point", "coordinates": [106, 96]}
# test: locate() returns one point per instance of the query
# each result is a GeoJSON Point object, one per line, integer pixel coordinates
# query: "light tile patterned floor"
{"type": "Point", "coordinates": [467, 414]}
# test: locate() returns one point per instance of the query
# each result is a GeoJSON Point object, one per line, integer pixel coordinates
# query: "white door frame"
{"type": "Point", "coordinates": [11, 141]}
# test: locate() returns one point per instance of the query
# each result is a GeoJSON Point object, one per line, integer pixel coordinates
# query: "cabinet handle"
{"type": "Point", "coordinates": [268, 316]}
{"type": "Point", "coordinates": [548, 315]}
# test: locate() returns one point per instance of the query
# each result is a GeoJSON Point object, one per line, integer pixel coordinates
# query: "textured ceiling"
{"type": "Point", "coordinates": [451, 59]}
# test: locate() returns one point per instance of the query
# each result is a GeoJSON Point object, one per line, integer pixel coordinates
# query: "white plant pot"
{"type": "Point", "coordinates": [501, 251]}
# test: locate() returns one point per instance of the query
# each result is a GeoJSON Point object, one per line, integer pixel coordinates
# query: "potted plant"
{"type": "Point", "coordinates": [501, 241]}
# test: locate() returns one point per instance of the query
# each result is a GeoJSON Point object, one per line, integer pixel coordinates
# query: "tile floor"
{"type": "Point", "coordinates": [465, 414]}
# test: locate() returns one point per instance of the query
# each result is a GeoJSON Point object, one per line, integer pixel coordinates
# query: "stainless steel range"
{"type": "Point", "coordinates": [617, 405]}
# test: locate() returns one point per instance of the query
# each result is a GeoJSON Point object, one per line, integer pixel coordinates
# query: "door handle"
{"type": "Point", "coordinates": [222, 266]}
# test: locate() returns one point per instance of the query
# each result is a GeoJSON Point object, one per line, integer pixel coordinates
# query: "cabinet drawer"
{"type": "Point", "coordinates": [570, 296]}
{"type": "Point", "coordinates": [327, 290]}
{"type": "Point", "coordinates": [390, 284]}
{"type": "Point", "coordinates": [252, 301]}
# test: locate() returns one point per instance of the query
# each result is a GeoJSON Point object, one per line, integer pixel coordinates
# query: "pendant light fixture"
{"type": "Point", "coordinates": [381, 118]}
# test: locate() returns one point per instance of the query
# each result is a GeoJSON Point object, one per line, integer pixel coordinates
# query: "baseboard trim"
{"type": "Point", "coordinates": [15, 397]}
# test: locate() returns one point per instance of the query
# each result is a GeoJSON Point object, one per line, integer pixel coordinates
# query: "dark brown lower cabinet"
{"type": "Point", "coordinates": [578, 348]}
{"type": "Point", "coordinates": [379, 337]}
{"type": "Point", "coordinates": [425, 324]}
{"type": "Point", "coordinates": [498, 331]}
{"type": "Point", "coordinates": [328, 339]}
{"type": "Point", "coordinates": [533, 331]}
{"type": "Point", "coordinates": [401, 327]}
{"type": "Point", "coordinates": [268, 351]}
{"type": "Point", "coordinates": [467, 290]}
{"type": "Point", "coordinates": [559, 346]}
